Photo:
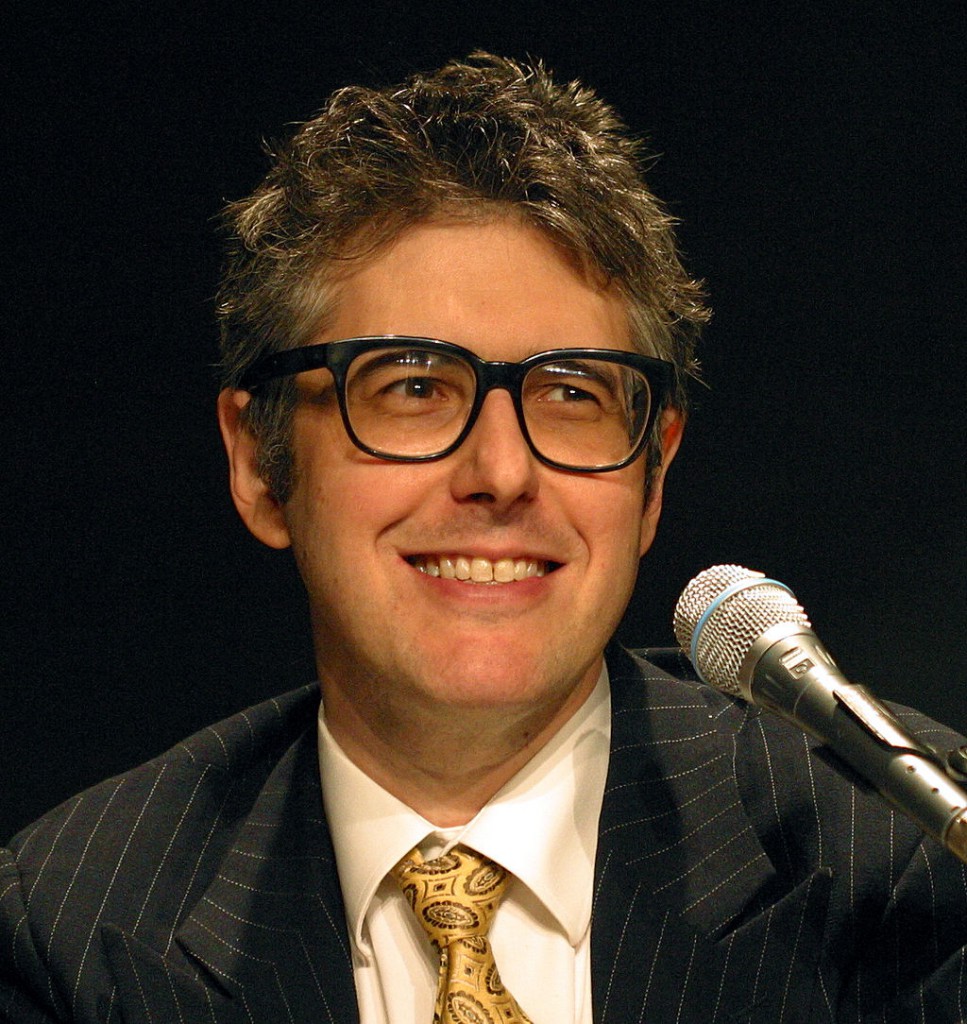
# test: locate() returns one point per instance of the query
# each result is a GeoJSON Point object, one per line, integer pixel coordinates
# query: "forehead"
{"type": "Point", "coordinates": [474, 283]}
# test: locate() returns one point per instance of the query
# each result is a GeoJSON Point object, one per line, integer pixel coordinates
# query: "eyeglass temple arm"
{"type": "Point", "coordinates": [284, 364]}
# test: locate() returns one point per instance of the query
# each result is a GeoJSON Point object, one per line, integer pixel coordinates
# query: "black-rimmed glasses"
{"type": "Point", "coordinates": [413, 399]}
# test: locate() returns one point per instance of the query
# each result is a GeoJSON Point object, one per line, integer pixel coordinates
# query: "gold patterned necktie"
{"type": "Point", "coordinates": [454, 897]}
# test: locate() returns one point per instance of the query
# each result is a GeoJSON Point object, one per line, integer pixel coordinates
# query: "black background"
{"type": "Point", "coordinates": [815, 156]}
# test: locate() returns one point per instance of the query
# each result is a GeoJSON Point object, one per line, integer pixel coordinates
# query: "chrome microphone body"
{"type": "Point", "coordinates": [748, 636]}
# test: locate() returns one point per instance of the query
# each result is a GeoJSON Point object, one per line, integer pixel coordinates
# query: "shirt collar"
{"type": "Point", "coordinates": [542, 825]}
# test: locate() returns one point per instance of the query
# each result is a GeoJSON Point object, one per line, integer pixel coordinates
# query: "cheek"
{"type": "Point", "coordinates": [343, 505]}
{"type": "Point", "coordinates": [609, 515]}
{"type": "Point", "coordinates": [635, 538]}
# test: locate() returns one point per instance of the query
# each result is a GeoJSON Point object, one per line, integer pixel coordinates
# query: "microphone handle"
{"type": "Point", "coordinates": [789, 671]}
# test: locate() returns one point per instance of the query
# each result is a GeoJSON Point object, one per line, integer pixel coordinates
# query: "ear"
{"type": "Point", "coordinates": [672, 425]}
{"type": "Point", "coordinates": [260, 512]}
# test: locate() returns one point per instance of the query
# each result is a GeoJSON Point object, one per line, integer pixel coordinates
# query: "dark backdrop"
{"type": "Point", "coordinates": [815, 157]}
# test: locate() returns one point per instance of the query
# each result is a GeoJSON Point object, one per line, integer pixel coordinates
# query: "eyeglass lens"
{"type": "Point", "coordinates": [412, 401]}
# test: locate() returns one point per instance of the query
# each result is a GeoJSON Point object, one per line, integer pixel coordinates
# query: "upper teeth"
{"type": "Point", "coordinates": [479, 570]}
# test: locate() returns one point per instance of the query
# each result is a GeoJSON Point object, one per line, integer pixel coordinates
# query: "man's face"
{"type": "Point", "coordinates": [363, 529]}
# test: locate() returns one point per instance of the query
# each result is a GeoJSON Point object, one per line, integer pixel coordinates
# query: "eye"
{"type": "Point", "coordinates": [408, 382]}
{"type": "Point", "coordinates": [568, 393]}
{"type": "Point", "coordinates": [414, 387]}
{"type": "Point", "coordinates": [572, 383]}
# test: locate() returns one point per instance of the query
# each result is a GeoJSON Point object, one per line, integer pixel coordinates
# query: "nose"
{"type": "Point", "coordinates": [495, 466]}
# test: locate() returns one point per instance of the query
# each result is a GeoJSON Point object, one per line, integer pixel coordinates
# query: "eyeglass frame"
{"type": "Point", "coordinates": [337, 356]}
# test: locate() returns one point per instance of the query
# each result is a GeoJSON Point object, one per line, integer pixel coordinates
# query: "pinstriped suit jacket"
{"type": "Point", "coordinates": [739, 879]}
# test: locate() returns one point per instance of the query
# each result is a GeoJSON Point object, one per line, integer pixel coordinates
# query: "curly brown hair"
{"type": "Point", "coordinates": [476, 137]}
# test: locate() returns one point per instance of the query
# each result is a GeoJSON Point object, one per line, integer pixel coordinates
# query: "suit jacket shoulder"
{"type": "Point", "coordinates": [118, 882]}
{"type": "Point", "coordinates": [754, 877]}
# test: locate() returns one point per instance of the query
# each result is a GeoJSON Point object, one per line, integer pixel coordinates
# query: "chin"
{"type": "Point", "coordinates": [513, 679]}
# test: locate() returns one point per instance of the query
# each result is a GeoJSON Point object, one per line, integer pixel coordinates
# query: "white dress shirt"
{"type": "Point", "coordinates": [542, 826]}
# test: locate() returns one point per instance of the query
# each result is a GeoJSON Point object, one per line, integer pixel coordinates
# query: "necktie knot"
{"type": "Point", "coordinates": [454, 896]}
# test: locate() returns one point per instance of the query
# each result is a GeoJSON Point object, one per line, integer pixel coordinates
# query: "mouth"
{"type": "Point", "coordinates": [476, 569]}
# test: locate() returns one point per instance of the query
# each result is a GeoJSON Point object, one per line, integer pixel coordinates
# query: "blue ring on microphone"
{"type": "Point", "coordinates": [732, 588]}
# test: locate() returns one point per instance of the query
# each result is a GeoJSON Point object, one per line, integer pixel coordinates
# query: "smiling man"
{"type": "Point", "coordinates": [439, 680]}
{"type": "Point", "coordinates": [455, 340]}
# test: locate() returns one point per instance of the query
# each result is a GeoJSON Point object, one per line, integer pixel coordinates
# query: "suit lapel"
{"type": "Point", "coordinates": [267, 940]}
{"type": "Point", "coordinates": [688, 907]}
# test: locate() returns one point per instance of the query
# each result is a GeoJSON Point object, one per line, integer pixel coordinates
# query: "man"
{"type": "Point", "coordinates": [455, 336]}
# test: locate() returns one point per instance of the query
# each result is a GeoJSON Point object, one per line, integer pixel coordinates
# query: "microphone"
{"type": "Point", "coordinates": [749, 637]}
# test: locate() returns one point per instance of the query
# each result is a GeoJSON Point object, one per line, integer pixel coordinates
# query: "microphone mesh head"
{"type": "Point", "coordinates": [734, 622]}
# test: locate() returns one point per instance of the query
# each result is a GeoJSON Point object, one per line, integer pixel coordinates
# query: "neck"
{"type": "Point", "coordinates": [445, 762]}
